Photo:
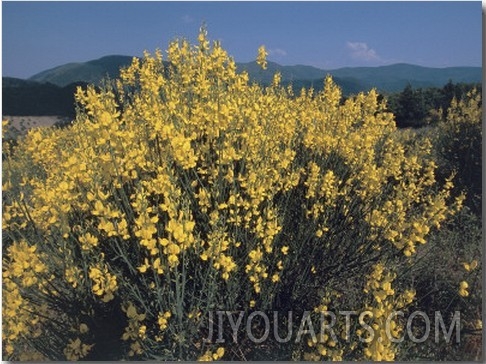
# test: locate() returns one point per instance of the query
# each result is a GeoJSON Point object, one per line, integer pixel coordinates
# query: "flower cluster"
{"type": "Point", "coordinates": [104, 283]}
{"type": "Point", "coordinates": [135, 331]}
{"type": "Point", "coordinates": [210, 356]}
{"type": "Point", "coordinates": [76, 350]}
{"type": "Point", "coordinates": [385, 302]}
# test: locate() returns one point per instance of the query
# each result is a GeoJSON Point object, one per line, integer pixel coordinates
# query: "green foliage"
{"type": "Point", "coordinates": [437, 277]}
{"type": "Point", "coordinates": [459, 147]}
{"type": "Point", "coordinates": [418, 107]}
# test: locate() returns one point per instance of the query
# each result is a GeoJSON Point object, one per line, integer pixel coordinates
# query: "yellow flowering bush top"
{"type": "Point", "coordinates": [182, 188]}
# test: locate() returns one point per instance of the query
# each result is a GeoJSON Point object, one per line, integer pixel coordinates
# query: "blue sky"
{"type": "Point", "coordinates": [40, 35]}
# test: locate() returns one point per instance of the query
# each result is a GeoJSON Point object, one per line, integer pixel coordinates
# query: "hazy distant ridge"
{"type": "Point", "coordinates": [390, 78]}
{"type": "Point", "coordinates": [90, 72]}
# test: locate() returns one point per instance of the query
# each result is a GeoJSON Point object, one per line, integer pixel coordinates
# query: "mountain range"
{"type": "Point", "coordinates": [19, 93]}
{"type": "Point", "coordinates": [391, 78]}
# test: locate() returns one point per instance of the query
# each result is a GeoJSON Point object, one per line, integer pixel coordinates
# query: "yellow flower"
{"type": "Point", "coordinates": [131, 311]}
{"type": "Point", "coordinates": [83, 328]}
{"type": "Point", "coordinates": [206, 356]}
{"type": "Point", "coordinates": [470, 266]}
{"type": "Point", "coordinates": [478, 324]}
{"type": "Point", "coordinates": [173, 260]}
{"type": "Point", "coordinates": [88, 241]}
{"type": "Point", "coordinates": [158, 266]}
{"type": "Point", "coordinates": [141, 331]}
{"type": "Point", "coordinates": [107, 226]}
{"type": "Point", "coordinates": [463, 293]}
{"type": "Point", "coordinates": [463, 286]}
{"type": "Point", "coordinates": [262, 57]}
{"type": "Point", "coordinates": [173, 249]}
{"type": "Point", "coordinates": [408, 296]}
{"type": "Point", "coordinates": [163, 320]}
{"type": "Point", "coordinates": [219, 353]}
{"type": "Point", "coordinates": [143, 268]}
{"type": "Point", "coordinates": [256, 255]}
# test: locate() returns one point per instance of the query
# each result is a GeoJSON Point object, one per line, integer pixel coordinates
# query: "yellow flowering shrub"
{"type": "Point", "coordinates": [458, 142]}
{"type": "Point", "coordinates": [181, 188]}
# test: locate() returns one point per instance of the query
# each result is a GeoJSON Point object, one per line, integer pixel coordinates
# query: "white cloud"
{"type": "Point", "coordinates": [277, 52]}
{"type": "Point", "coordinates": [187, 19]}
{"type": "Point", "coordinates": [361, 51]}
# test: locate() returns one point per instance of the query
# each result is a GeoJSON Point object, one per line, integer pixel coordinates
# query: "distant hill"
{"type": "Point", "coordinates": [89, 72]}
{"type": "Point", "coordinates": [392, 78]}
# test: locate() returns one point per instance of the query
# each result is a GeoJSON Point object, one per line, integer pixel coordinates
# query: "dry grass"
{"type": "Point", "coordinates": [24, 123]}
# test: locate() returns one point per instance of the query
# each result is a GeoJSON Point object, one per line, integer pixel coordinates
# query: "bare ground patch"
{"type": "Point", "coordinates": [27, 122]}
{"type": "Point", "coordinates": [23, 123]}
